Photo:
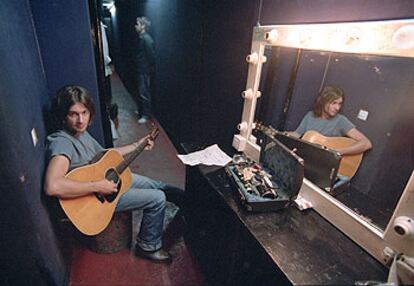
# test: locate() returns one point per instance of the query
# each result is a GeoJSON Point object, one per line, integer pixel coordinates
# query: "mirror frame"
{"type": "Point", "coordinates": [386, 38]}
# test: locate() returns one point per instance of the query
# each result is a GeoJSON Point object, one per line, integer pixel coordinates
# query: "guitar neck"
{"type": "Point", "coordinates": [131, 157]}
{"type": "Point", "coordinates": [268, 130]}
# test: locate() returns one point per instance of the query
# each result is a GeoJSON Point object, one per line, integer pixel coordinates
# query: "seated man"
{"type": "Point", "coordinates": [72, 146]}
{"type": "Point", "coordinates": [325, 119]}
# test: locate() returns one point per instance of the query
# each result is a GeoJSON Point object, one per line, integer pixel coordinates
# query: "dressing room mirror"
{"type": "Point", "coordinates": [372, 62]}
{"type": "Point", "coordinates": [378, 100]}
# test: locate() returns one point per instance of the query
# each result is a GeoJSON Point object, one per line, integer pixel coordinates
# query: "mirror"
{"type": "Point", "coordinates": [371, 61]}
{"type": "Point", "coordinates": [379, 85]}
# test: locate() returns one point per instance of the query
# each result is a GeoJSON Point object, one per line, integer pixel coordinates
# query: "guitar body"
{"type": "Point", "coordinates": [91, 214]}
{"type": "Point", "coordinates": [349, 163]}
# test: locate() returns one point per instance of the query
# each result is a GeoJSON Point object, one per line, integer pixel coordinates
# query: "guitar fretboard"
{"type": "Point", "coordinates": [131, 157]}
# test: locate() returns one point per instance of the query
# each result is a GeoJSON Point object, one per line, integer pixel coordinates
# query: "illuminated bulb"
{"type": "Point", "coordinates": [247, 94]}
{"type": "Point", "coordinates": [353, 36]}
{"type": "Point", "coordinates": [345, 38]}
{"type": "Point", "coordinates": [258, 94]}
{"type": "Point", "coordinates": [272, 36]}
{"type": "Point", "coordinates": [403, 38]}
{"type": "Point", "coordinates": [305, 37]}
{"type": "Point", "coordinates": [264, 59]}
{"type": "Point", "coordinates": [252, 58]}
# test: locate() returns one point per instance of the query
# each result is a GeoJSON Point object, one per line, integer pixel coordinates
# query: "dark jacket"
{"type": "Point", "coordinates": [145, 54]}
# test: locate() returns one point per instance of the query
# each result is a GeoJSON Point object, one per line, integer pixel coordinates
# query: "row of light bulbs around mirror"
{"type": "Point", "coordinates": [253, 59]}
{"type": "Point", "coordinates": [351, 37]}
{"type": "Point", "coordinates": [402, 38]}
{"type": "Point", "coordinates": [248, 94]}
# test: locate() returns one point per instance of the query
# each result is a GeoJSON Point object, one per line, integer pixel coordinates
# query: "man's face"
{"type": "Point", "coordinates": [332, 108]}
{"type": "Point", "coordinates": [139, 27]}
{"type": "Point", "coordinates": [78, 118]}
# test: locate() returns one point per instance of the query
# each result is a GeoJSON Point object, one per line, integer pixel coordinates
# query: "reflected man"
{"type": "Point", "coordinates": [326, 119]}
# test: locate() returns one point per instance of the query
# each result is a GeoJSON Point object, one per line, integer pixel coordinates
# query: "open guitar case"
{"type": "Point", "coordinates": [321, 164]}
{"type": "Point", "coordinates": [271, 184]}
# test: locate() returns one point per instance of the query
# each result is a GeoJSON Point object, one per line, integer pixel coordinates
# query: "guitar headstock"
{"type": "Point", "coordinates": [259, 126]}
{"type": "Point", "coordinates": [154, 133]}
{"type": "Point", "coordinates": [268, 130]}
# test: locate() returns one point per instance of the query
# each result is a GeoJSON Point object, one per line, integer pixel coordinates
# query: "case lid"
{"type": "Point", "coordinates": [286, 168]}
{"type": "Point", "coordinates": [321, 164]}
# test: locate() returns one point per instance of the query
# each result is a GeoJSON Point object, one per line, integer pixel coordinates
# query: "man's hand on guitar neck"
{"type": "Point", "coordinates": [150, 142]}
{"type": "Point", "coordinates": [124, 150]}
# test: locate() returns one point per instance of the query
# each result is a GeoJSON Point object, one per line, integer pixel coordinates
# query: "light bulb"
{"type": "Point", "coordinates": [403, 38]}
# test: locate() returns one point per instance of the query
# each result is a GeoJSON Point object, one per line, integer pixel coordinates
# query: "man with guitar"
{"type": "Point", "coordinates": [325, 119]}
{"type": "Point", "coordinates": [72, 146]}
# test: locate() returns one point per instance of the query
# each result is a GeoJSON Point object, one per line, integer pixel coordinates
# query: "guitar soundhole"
{"type": "Point", "coordinates": [112, 175]}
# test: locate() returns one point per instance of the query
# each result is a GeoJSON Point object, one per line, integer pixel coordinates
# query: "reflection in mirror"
{"type": "Point", "coordinates": [378, 102]}
{"type": "Point", "coordinates": [374, 70]}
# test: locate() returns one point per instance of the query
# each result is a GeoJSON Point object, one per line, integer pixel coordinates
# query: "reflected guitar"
{"type": "Point", "coordinates": [349, 163]}
{"type": "Point", "coordinates": [92, 213]}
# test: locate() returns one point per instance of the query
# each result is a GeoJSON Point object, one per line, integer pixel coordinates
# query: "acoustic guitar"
{"type": "Point", "coordinates": [92, 213]}
{"type": "Point", "coordinates": [349, 163]}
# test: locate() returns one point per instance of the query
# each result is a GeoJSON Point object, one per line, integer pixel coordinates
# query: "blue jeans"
{"type": "Point", "coordinates": [144, 94]}
{"type": "Point", "coordinates": [149, 196]}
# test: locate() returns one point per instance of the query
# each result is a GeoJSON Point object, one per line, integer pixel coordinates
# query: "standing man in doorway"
{"type": "Point", "coordinates": [145, 67]}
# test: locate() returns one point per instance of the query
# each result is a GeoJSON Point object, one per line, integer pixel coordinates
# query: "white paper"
{"type": "Point", "coordinates": [303, 204]}
{"type": "Point", "coordinates": [211, 155]}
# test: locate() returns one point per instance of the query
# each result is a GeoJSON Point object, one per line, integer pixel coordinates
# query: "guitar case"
{"type": "Point", "coordinates": [321, 164]}
{"type": "Point", "coordinates": [271, 184]}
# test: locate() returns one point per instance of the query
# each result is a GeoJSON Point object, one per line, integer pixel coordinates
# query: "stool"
{"type": "Point", "coordinates": [115, 237]}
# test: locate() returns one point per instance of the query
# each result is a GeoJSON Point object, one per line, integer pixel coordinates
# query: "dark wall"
{"type": "Point", "coordinates": [227, 31]}
{"type": "Point", "coordinates": [122, 40]}
{"type": "Point", "coordinates": [44, 45]}
{"type": "Point", "coordinates": [178, 36]}
{"type": "Point", "coordinates": [64, 36]}
{"type": "Point", "coordinates": [29, 250]}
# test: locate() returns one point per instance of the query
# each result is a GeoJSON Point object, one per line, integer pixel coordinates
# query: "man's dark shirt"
{"type": "Point", "coordinates": [145, 54]}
